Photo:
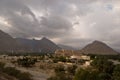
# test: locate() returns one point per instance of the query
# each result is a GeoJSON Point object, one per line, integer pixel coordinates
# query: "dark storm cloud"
{"type": "Point", "coordinates": [9, 7]}
{"type": "Point", "coordinates": [54, 26]}
{"type": "Point", "coordinates": [20, 16]}
{"type": "Point", "coordinates": [17, 15]}
{"type": "Point", "coordinates": [25, 24]}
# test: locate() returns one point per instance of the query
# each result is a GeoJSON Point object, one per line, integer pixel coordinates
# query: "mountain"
{"type": "Point", "coordinates": [44, 45]}
{"type": "Point", "coordinates": [29, 44]}
{"type": "Point", "coordinates": [118, 50]}
{"type": "Point", "coordinates": [48, 45]}
{"type": "Point", "coordinates": [98, 48]}
{"type": "Point", "coordinates": [66, 47]}
{"type": "Point", "coordinates": [10, 44]}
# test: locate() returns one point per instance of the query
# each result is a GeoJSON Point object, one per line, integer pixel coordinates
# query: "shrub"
{"type": "Point", "coordinates": [12, 71]}
{"type": "Point", "coordinates": [2, 66]}
{"type": "Point", "coordinates": [24, 76]}
{"type": "Point", "coordinates": [26, 62]}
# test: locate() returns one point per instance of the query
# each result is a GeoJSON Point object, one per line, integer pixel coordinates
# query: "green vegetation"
{"type": "Point", "coordinates": [86, 74]}
{"type": "Point", "coordinates": [114, 57]}
{"type": "Point", "coordinates": [26, 62]}
{"type": "Point", "coordinates": [62, 73]}
{"type": "Point", "coordinates": [25, 54]}
{"type": "Point", "coordinates": [116, 73]}
{"type": "Point", "coordinates": [101, 69]}
{"type": "Point", "coordinates": [60, 58]}
{"type": "Point", "coordinates": [103, 65]}
{"type": "Point", "coordinates": [2, 66]}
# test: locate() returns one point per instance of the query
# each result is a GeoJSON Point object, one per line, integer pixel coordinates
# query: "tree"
{"type": "Point", "coordinates": [59, 68]}
{"type": "Point", "coordinates": [81, 74]}
{"type": "Point", "coordinates": [89, 74]}
{"type": "Point", "coordinates": [116, 73]}
{"type": "Point", "coordinates": [104, 76]}
{"type": "Point", "coordinates": [11, 71]}
{"type": "Point", "coordinates": [26, 62]}
{"type": "Point", "coordinates": [60, 74]}
{"type": "Point", "coordinates": [62, 59]}
{"type": "Point", "coordinates": [72, 69]}
{"type": "Point", "coordinates": [103, 65]}
{"type": "Point", "coordinates": [2, 66]}
{"type": "Point", "coordinates": [24, 76]}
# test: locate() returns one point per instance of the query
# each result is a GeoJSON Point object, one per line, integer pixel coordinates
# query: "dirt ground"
{"type": "Point", "coordinates": [36, 72]}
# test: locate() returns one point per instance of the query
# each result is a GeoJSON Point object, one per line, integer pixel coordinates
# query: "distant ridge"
{"type": "Point", "coordinates": [44, 45]}
{"type": "Point", "coordinates": [10, 44]}
{"type": "Point", "coordinates": [66, 47]}
{"type": "Point", "coordinates": [98, 48]}
{"type": "Point", "coordinates": [48, 45]}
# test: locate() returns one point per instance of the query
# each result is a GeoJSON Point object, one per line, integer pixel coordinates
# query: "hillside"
{"type": "Point", "coordinates": [98, 48]}
{"type": "Point", "coordinates": [44, 45]}
{"type": "Point", "coordinates": [66, 47]}
{"type": "Point", "coordinates": [10, 44]}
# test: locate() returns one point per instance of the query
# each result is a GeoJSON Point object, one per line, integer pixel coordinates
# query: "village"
{"type": "Point", "coordinates": [69, 57]}
{"type": "Point", "coordinates": [44, 65]}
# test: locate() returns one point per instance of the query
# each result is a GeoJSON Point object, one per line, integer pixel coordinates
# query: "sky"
{"type": "Point", "coordinates": [69, 22]}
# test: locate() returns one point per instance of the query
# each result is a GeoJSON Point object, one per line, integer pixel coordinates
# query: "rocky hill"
{"type": "Point", "coordinates": [9, 44]}
{"type": "Point", "coordinates": [98, 48]}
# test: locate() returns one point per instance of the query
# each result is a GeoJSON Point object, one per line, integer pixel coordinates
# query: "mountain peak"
{"type": "Point", "coordinates": [98, 42]}
{"type": "Point", "coordinates": [98, 47]}
{"type": "Point", "coordinates": [22, 44]}
{"type": "Point", "coordinates": [44, 38]}
{"type": "Point", "coordinates": [4, 34]}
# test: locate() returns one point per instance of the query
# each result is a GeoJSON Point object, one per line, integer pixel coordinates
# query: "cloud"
{"type": "Point", "coordinates": [17, 15]}
{"type": "Point", "coordinates": [54, 26]}
{"type": "Point", "coordinates": [25, 24]}
{"type": "Point", "coordinates": [71, 22]}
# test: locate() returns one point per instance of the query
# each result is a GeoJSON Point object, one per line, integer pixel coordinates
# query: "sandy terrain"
{"type": "Point", "coordinates": [35, 72]}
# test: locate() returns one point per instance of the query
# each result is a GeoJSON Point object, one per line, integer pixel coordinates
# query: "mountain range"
{"type": "Point", "coordinates": [66, 47]}
{"type": "Point", "coordinates": [44, 45]}
{"type": "Point", "coordinates": [10, 44]}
